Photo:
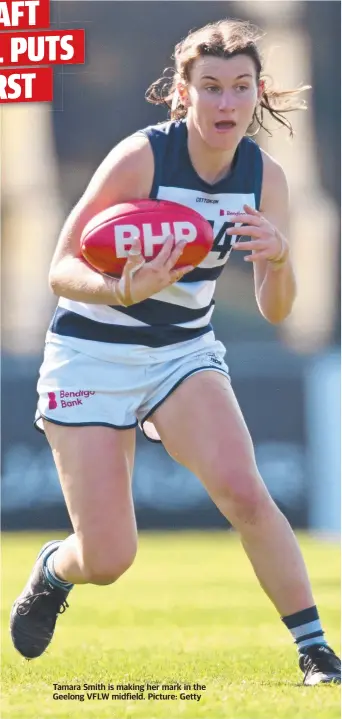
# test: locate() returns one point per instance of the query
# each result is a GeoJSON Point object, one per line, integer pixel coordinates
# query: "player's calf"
{"type": "Point", "coordinates": [107, 566]}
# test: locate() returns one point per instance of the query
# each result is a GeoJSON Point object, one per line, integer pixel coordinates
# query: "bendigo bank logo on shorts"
{"type": "Point", "coordinates": [70, 398]}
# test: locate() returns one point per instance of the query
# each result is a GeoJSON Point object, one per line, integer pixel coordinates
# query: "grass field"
{"type": "Point", "coordinates": [189, 611]}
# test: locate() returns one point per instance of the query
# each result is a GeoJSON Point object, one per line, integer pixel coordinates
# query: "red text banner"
{"type": "Point", "coordinates": [26, 85]}
{"type": "Point", "coordinates": [24, 14]}
{"type": "Point", "coordinates": [53, 47]}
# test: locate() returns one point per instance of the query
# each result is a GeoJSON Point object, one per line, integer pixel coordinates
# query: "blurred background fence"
{"type": "Point", "coordinates": [287, 379]}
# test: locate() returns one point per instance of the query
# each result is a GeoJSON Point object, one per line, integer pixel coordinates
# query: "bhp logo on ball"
{"type": "Point", "coordinates": [151, 235]}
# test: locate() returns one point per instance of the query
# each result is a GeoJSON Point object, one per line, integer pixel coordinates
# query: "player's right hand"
{"type": "Point", "coordinates": [141, 279]}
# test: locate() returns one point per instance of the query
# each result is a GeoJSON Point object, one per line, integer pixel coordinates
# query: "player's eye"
{"type": "Point", "coordinates": [242, 88]}
{"type": "Point", "coordinates": [212, 88]}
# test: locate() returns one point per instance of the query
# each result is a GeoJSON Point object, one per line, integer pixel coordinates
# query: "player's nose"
{"type": "Point", "coordinates": [227, 101]}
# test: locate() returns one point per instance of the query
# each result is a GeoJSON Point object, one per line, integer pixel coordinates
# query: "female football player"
{"type": "Point", "coordinates": [141, 349]}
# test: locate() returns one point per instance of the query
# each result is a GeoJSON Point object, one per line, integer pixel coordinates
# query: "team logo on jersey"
{"type": "Point", "coordinates": [208, 200]}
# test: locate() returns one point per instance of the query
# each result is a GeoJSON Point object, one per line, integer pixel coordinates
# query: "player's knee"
{"type": "Point", "coordinates": [106, 566]}
{"type": "Point", "coordinates": [242, 496]}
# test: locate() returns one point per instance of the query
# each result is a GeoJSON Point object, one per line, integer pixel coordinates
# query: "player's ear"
{"type": "Point", "coordinates": [183, 94]}
{"type": "Point", "coordinates": [261, 88]}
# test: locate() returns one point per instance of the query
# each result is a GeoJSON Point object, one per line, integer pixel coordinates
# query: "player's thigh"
{"type": "Point", "coordinates": [202, 427]}
{"type": "Point", "coordinates": [95, 466]}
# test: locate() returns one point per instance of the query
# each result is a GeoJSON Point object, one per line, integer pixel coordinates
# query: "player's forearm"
{"type": "Point", "coordinates": [73, 279]}
{"type": "Point", "coordinates": [277, 293]}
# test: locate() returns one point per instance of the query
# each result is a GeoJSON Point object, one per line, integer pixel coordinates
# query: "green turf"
{"type": "Point", "coordinates": [189, 610]}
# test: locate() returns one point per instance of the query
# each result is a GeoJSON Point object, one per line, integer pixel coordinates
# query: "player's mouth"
{"type": "Point", "coordinates": [225, 125]}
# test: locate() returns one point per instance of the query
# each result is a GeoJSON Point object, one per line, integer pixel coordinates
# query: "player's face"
{"type": "Point", "coordinates": [221, 99]}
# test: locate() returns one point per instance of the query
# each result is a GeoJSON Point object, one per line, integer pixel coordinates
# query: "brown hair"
{"type": "Point", "coordinates": [225, 39]}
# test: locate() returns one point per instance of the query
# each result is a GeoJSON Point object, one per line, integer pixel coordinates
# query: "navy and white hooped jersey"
{"type": "Point", "coordinates": [183, 310]}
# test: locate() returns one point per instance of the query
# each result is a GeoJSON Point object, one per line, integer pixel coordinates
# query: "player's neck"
{"type": "Point", "coordinates": [211, 165]}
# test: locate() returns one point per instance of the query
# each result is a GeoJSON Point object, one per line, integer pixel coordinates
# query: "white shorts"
{"type": "Point", "coordinates": [93, 383]}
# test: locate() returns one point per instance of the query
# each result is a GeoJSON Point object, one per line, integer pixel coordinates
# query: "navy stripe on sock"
{"type": "Point", "coordinates": [309, 636]}
{"type": "Point", "coordinates": [303, 617]}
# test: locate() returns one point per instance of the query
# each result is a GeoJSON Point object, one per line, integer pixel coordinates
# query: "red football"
{"type": "Point", "coordinates": [107, 238]}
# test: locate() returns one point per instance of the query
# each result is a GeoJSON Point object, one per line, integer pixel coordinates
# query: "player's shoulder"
{"type": "Point", "coordinates": [138, 145]}
{"type": "Point", "coordinates": [275, 188]}
{"type": "Point", "coordinates": [165, 128]}
{"type": "Point", "coordinates": [130, 156]}
{"type": "Point", "coordinates": [273, 171]}
{"type": "Point", "coordinates": [165, 135]}
{"type": "Point", "coordinates": [130, 164]}
{"type": "Point", "coordinates": [126, 171]}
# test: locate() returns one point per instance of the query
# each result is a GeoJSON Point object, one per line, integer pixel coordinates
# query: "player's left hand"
{"type": "Point", "coordinates": [267, 242]}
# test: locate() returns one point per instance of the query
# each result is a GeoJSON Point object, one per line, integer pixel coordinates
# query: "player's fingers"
{"type": "Point", "coordinates": [251, 210]}
{"type": "Point", "coordinates": [134, 257]}
{"type": "Point", "coordinates": [175, 254]}
{"type": "Point", "coordinates": [136, 248]}
{"type": "Point", "coordinates": [246, 230]}
{"type": "Point", "coordinates": [135, 253]}
{"type": "Point", "coordinates": [176, 275]}
{"type": "Point", "coordinates": [241, 220]}
{"type": "Point", "coordinates": [164, 254]}
{"type": "Point", "coordinates": [244, 245]}
{"type": "Point", "coordinates": [256, 233]}
{"type": "Point", "coordinates": [256, 257]}
{"type": "Point", "coordinates": [134, 261]}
